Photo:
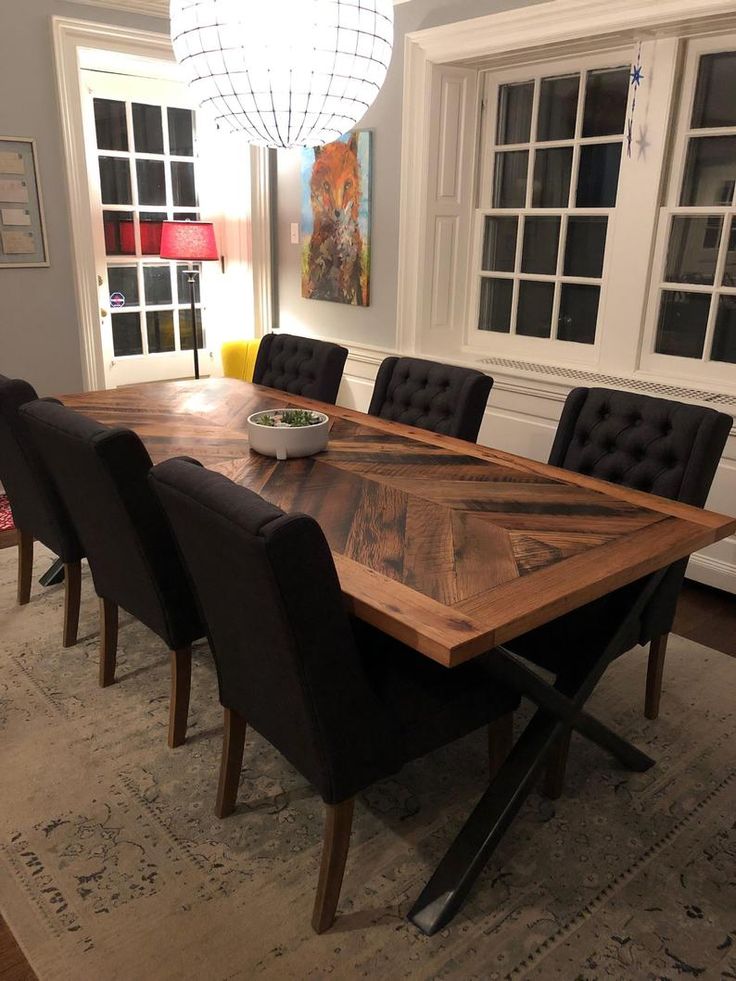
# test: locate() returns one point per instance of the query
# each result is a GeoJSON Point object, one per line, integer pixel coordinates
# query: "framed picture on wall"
{"type": "Point", "coordinates": [336, 220]}
{"type": "Point", "coordinates": [22, 231]}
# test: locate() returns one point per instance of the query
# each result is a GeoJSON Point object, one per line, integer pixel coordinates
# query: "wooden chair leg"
{"type": "Point", "coordinates": [25, 567]}
{"type": "Point", "coordinates": [655, 672]}
{"type": "Point", "coordinates": [233, 744]}
{"type": "Point", "coordinates": [338, 824]}
{"type": "Point", "coordinates": [181, 678]}
{"type": "Point", "coordinates": [554, 780]}
{"type": "Point", "coordinates": [108, 641]}
{"type": "Point", "coordinates": [500, 741]}
{"type": "Point", "coordinates": [72, 597]}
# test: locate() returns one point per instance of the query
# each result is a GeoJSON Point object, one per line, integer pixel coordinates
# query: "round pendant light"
{"type": "Point", "coordinates": [284, 72]}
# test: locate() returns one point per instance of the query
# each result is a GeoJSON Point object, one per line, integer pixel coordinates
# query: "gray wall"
{"type": "Point", "coordinates": [376, 324]}
{"type": "Point", "coordinates": [39, 334]}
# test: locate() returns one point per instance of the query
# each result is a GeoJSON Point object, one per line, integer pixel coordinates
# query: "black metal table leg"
{"type": "Point", "coordinates": [444, 893]}
{"type": "Point", "coordinates": [53, 575]}
{"type": "Point", "coordinates": [624, 751]}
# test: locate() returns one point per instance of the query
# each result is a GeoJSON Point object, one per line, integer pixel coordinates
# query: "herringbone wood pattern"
{"type": "Point", "coordinates": [449, 546]}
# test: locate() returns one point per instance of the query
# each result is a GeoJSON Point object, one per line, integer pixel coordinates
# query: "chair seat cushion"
{"type": "Point", "coordinates": [431, 704]}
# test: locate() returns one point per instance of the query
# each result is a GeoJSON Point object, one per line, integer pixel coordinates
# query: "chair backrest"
{"type": "Point", "coordinates": [36, 505]}
{"type": "Point", "coordinates": [656, 445]}
{"type": "Point", "coordinates": [300, 366]}
{"type": "Point", "coordinates": [664, 447]}
{"type": "Point", "coordinates": [438, 397]}
{"type": "Point", "coordinates": [102, 477]}
{"type": "Point", "coordinates": [282, 641]}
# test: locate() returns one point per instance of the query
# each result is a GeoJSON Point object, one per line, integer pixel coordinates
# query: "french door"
{"type": "Point", "coordinates": [143, 144]}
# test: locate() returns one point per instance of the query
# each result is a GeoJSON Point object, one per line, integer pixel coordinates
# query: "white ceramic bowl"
{"type": "Point", "coordinates": [285, 441]}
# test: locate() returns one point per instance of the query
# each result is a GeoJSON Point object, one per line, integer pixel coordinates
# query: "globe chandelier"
{"type": "Point", "coordinates": [285, 73]}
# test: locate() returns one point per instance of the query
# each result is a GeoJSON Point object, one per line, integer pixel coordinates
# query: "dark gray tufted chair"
{"type": "Point", "coordinates": [301, 366]}
{"type": "Point", "coordinates": [38, 512]}
{"type": "Point", "coordinates": [438, 397]}
{"type": "Point", "coordinates": [667, 448]}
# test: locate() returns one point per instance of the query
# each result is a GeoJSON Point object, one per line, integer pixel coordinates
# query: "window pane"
{"type": "Point", "coordinates": [578, 313]}
{"type": "Point", "coordinates": [499, 244]}
{"type": "Point", "coordinates": [151, 227]}
{"type": "Point", "coordinates": [186, 216]}
{"type": "Point", "coordinates": [123, 280]}
{"type": "Point", "coordinates": [606, 96]}
{"type": "Point", "coordinates": [185, 330]}
{"type": "Point", "coordinates": [147, 129]}
{"type": "Point", "coordinates": [160, 327]}
{"type": "Point", "coordinates": [552, 170]}
{"type": "Point", "coordinates": [495, 305]}
{"type": "Point", "coordinates": [515, 113]}
{"type": "Point", "coordinates": [541, 242]}
{"type": "Point", "coordinates": [126, 334]}
{"type": "Point", "coordinates": [714, 101]}
{"type": "Point", "coordinates": [115, 180]}
{"type": "Point", "coordinates": [182, 184]}
{"type": "Point", "coordinates": [693, 249]}
{"type": "Point", "coordinates": [182, 283]}
{"type": "Point", "coordinates": [710, 171]}
{"type": "Point", "coordinates": [586, 246]}
{"type": "Point", "coordinates": [558, 107]}
{"type": "Point", "coordinates": [119, 232]}
{"type": "Point", "coordinates": [724, 339]}
{"type": "Point", "coordinates": [598, 177]}
{"type": "Point", "coordinates": [534, 316]}
{"type": "Point", "coordinates": [509, 190]}
{"type": "Point", "coordinates": [110, 124]}
{"type": "Point", "coordinates": [729, 273]}
{"type": "Point", "coordinates": [181, 133]}
{"type": "Point", "coordinates": [683, 319]}
{"type": "Point", "coordinates": [151, 185]}
{"type": "Point", "coordinates": [157, 284]}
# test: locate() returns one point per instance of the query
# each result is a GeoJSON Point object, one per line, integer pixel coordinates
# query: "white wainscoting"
{"type": "Point", "coordinates": [521, 418]}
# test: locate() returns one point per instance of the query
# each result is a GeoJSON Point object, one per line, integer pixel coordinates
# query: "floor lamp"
{"type": "Point", "coordinates": [189, 241]}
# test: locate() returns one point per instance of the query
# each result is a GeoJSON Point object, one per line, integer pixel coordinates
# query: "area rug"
{"type": "Point", "coordinates": [113, 866]}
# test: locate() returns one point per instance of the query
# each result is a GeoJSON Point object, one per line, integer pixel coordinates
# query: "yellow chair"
{"type": "Point", "coordinates": [239, 358]}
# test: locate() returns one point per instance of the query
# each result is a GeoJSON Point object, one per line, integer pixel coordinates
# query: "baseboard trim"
{"type": "Point", "coordinates": [712, 572]}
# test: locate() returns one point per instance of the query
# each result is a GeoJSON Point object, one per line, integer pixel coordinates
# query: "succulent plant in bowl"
{"type": "Point", "coordinates": [285, 433]}
{"type": "Point", "coordinates": [290, 417]}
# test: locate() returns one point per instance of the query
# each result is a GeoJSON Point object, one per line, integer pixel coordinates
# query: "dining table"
{"type": "Point", "coordinates": [450, 547]}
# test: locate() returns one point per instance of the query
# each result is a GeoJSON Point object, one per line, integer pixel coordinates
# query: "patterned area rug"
{"type": "Point", "coordinates": [6, 515]}
{"type": "Point", "coordinates": [113, 866]}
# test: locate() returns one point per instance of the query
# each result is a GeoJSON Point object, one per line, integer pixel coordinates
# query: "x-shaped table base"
{"type": "Point", "coordinates": [556, 715]}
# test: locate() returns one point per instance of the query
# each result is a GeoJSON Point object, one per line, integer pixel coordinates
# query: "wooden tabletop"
{"type": "Point", "coordinates": [448, 546]}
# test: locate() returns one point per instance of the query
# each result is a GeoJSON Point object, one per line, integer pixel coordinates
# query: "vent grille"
{"type": "Point", "coordinates": [615, 381]}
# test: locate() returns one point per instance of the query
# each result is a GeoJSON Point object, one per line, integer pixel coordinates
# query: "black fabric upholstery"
{"type": "Point", "coordinates": [36, 505]}
{"type": "Point", "coordinates": [667, 448]}
{"type": "Point", "coordinates": [301, 366]}
{"type": "Point", "coordinates": [438, 397]}
{"type": "Point", "coordinates": [288, 658]}
{"type": "Point", "coordinates": [102, 477]}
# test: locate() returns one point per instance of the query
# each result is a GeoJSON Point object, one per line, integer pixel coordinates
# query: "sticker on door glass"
{"type": "Point", "coordinates": [117, 300]}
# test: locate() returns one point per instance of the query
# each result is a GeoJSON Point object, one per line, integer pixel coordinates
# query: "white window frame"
{"type": "Point", "coordinates": [722, 374]}
{"type": "Point", "coordinates": [512, 344]}
{"type": "Point", "coordinates": [544, 32]}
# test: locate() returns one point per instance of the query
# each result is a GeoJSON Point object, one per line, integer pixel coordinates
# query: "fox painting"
{"type": "Point", "coordinates": [336, 221]}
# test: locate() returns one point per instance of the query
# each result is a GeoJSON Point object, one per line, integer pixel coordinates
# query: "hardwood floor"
{"type": "Point", "coordinates": [705, 615]}
{"type": "Point", "coordinates": [13, 965]}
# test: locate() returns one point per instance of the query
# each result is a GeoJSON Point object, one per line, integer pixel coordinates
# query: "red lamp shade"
{"type": "Point", "coordinates": [193, 241]}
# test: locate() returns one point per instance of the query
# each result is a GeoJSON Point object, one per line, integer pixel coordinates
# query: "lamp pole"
{"type": "Point", "coordinates": [192, 280]}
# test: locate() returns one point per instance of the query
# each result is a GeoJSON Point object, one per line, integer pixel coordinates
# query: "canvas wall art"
{"type": "Point", "coordinates": [336, 220]}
